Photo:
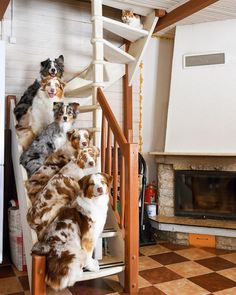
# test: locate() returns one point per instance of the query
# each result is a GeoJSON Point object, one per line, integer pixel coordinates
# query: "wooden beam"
{"type": "Point", "coordinates": [182, 12]}
{"type": "Point", "coordinates": [160, 12]}
{"type": "Point", "coordinates": [3, 7]}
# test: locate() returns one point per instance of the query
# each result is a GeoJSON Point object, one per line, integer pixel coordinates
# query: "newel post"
{"type": "Point", "coordinates": [38, 286]}
{"type": "Point", "coordinates": [131, 219]}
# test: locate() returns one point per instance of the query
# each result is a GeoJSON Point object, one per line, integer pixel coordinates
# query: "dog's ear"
{"type": "Point", "coordinates": [79, 159]}
{"type": "Point", "coordinates": [108, 177]}
{"type": "Point", "coordinates": [70, 133]}
{"type": "Point", "coordinates": [60, 59]}
{"type": "Point", "coordinates": [75, 107]}
{"type": "Point", "coordinates": [57, 105]}
{"type": "Point", "coordinates": [91, 134]}
{"type": "Point", "coordinates": [45, 81]}
{"type": "Point", "coordinates": [96, 150]}
{"type": "Point", "coordinates": [83, 182]}
{"type": "Point", "coordinates": [45, 62]}
{"type": "Point", "coordinates": [62, 83]}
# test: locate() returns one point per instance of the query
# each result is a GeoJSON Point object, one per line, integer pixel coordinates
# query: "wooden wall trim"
{"type": "Point", "coordinates": [182, 12]}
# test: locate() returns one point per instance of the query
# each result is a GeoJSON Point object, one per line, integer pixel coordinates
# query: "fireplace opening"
{"type": "Point", "coordinates": [205, 194]}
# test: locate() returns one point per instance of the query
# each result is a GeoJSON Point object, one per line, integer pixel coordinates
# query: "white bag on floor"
{"type": "Point", "coordinates": [16, 237]}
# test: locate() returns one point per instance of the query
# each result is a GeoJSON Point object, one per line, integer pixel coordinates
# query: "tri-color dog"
{"type": "Point", "coordinates": [49, 67]}
{"type": "Point", "coordinates": [40, 114]}
{"type": "Point", "coordinates": [52, 138]}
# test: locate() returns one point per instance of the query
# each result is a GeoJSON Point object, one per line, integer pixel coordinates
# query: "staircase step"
{"type": "Point", "coordinates": [129, 5]}
{"type": "Point", "coordinates": [77, 86]}
{"type": "Point", "coordinates": [123, 30]}
{"type": "Point", "coordinates": [111, 264]}
{"type": "Point", "coordinates": [115, 54]}
{"type": "Point", "coordinates": [105, 270]}
{"type": "Point", "coordinates": [81, 86]}
{"type": "Point", "coordinates": [109, 233]}
{"type": "Point", "coordinates": [138, 48]}
{"type": "Point", "coordinates": [88, 108]}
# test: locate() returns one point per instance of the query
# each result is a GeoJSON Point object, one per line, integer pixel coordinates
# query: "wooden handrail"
{"type": "Point", "coordinates": [111, 119]}
{"type": "Point", "coordinates": [124, 165]}
{"type": "Point", "coordinates": [3, 7]}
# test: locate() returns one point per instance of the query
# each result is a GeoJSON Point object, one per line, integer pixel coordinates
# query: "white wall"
{"type": "Point", "coordinates": [202, 107]}
{"type": "Point", "coordinates": [48, 28]}
{"type": "Point", "coordinates": [156, 83]}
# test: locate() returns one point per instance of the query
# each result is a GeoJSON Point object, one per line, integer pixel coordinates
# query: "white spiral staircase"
{"type": "Point", "coordinates": [107, 66]}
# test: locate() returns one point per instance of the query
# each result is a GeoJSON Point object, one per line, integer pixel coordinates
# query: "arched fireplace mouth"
{"type": "Point", "coordinates": [205, 194]}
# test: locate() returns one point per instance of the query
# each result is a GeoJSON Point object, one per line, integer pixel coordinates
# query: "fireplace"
{"type": "Point", "coordinates": [205, 194]}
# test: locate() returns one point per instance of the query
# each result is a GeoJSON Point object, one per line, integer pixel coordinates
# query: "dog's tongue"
{"type": "Point", "coordinates": [51, 94]}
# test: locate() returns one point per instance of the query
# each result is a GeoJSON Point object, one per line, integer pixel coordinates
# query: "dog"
{"type": "Point", "coordinates": [76, 140]}
{"type": "Point", "coordinates": [51, 138]}
{"type": "Point", "coordinates": [80, 138]}
{"type": "Point", "coordinates": [61, 190]}
{"type": "Point", "coordinates": [69, 241]}
{"type": "Point", "coordinates": [40, 114]}
{"type": "Point", "coordinates": [48, 68]}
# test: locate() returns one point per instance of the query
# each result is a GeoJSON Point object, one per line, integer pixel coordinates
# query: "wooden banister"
{"type": "Point", "coordinates": [3, 7]}
{"type": "Point", "coordinates": [111, 118]}
{"type": "Point", "coordinates": [120, 158]}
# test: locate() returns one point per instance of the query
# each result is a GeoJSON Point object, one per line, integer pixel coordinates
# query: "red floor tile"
{"type": "Point", "coordinates": [216, 263]}
{"type": "Point", "coordinates": [92, 287]}
{"type": "Point", "coordinates": [168, 258]}
{"type": "Point", "coordinates": [159, 275]}
{"type": "Point", "coordinates": [213, 282]}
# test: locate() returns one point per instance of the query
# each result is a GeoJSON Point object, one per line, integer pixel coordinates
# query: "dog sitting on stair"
{"type": "Point", "coordinates": [69, 241]}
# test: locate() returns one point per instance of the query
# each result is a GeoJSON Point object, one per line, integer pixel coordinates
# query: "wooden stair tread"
{"type": "Point", "coordinates": [115, 54]}
{"type": "Point", "coordinates": [123, 30]}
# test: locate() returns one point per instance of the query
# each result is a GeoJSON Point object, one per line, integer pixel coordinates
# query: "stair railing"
{"type": "Point", "coordinates": [120, 159]}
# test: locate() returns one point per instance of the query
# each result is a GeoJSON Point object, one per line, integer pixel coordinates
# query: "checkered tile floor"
{"type": "Point", "coordinates": [164, 269]}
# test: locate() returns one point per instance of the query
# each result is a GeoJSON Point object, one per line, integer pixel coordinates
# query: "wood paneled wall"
{"type": "Point", "coordinates": [48, 28]}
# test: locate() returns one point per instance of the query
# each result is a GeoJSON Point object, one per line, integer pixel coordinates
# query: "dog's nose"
{"type": "Point", "coordinates": [100, 190]}
{"type": "Point", "coordinates": [91, 163]}
{"type": "Point", "coordinates": [84, 143]}
{"type": "Point", "coordinates": [53, 70]}
{"type": "Point", "coordinates": [65, 118]}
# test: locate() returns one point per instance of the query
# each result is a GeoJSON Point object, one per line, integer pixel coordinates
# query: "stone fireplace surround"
{"type": "Point", "coordinates": [167, 163]}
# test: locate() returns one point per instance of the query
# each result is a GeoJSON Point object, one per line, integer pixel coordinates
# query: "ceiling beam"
{"type": "Point", "coordinates": [182, 12]}
{"type": "Point", "coordinates": [3, 7]}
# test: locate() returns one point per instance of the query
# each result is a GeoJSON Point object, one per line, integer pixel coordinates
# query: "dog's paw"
{"type": "Point", "coordinates": [93, 265]}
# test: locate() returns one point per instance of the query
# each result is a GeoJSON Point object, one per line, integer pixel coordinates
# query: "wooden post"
{"type": "Point", "coordinates": [8, 109]}
{"type": "Point", "coordinates": [127, 105]}
{"type": "Point", "coordinates": [38, 286]}
{"type": "Point", "coordinates": [98, 61]}
{"type": "Point", "coordinates": [131, 219]}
